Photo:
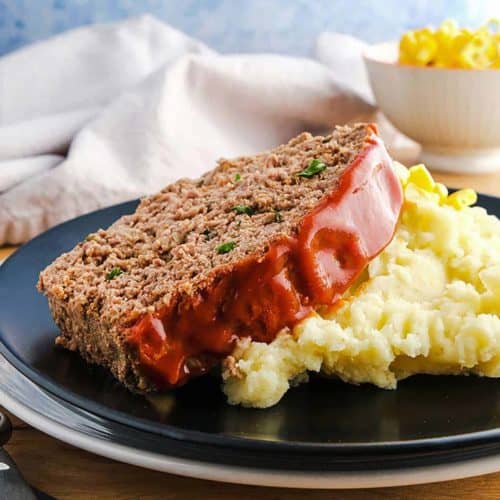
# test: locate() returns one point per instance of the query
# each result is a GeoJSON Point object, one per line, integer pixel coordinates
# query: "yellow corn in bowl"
{"type": "Point", "coordinates": [441, 88]}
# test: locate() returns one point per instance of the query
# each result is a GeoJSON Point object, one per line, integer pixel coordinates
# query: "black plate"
{"type": "Point", "coordinates": [440, 417]}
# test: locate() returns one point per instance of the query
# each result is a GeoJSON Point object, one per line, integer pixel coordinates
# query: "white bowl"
{"type": "Point", "coordinates": [453, 113]}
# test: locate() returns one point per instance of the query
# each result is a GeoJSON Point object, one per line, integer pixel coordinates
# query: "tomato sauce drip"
{"type": "Point", "coordinates": [335, 242]}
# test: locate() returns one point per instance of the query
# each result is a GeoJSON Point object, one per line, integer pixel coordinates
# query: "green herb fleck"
{"type": "Point", "coordinates": [315, 167]}
{"type": "Point", "coordinates": [237, 178]}
{"type": "Point", "coordinates": [277, 216]}
{"type": "Point", "coordinates": [328, 138]}
{"type": "Point", "coordinates": [116, 271]}
{"type": "Point", "coordinates": [209, 234]}
{"type": "Point", "coordinates": [226, 247]}
{"type": "Point", "coordinates": [243, 209]}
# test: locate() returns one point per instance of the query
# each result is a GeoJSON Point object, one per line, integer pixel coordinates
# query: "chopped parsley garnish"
{"type": "Point", "coordinates": [315, 167]}
{"type": "Point", "coordinates": [209, 234]}
{"type": "Point", "coordinates": [116, 271]}
{"type": "Point", "coordinates": [328, 138]}
{"type": "Point", "coordinates": [277, 216]}
{"type": "Point", "coordinates": [226, 247]}
{"type": "Point", "coordinates": [237, 178]}
{"type": "Point", "coordinates": [243, 209]}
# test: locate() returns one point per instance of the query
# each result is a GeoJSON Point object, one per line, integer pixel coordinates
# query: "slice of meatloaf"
{"type": "Point", "coordinates": [250, 248]}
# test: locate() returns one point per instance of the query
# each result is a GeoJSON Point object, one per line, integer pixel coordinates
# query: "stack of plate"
{"type": "Point", "coordinates": [330, 434]}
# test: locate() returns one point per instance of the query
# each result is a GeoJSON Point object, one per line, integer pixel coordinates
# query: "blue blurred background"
{"type": "Point", "coordinates": [285, 26]}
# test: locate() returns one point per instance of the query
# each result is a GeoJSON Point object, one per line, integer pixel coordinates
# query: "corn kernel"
{"type": "Point", "coordinates": [441, 190]}
{"type": "Point", "coordinates": [415, 194]}
{"type": "Point", "coordinates": [421, 177]}
{"type": "Point", "coordinates": [462, 198]}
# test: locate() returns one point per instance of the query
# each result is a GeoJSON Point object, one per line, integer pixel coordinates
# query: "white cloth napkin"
{"type": "Point", "coordinates": [139, 105]}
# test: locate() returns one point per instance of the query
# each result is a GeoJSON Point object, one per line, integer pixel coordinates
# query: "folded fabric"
{"type": "Point", "coordinates": [139, 105]}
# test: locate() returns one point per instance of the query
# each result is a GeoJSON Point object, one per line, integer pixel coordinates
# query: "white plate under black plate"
{"type": "Point", "coordinates": [98, 435]}
{"type": "Point", "coordinates": [321, 426]}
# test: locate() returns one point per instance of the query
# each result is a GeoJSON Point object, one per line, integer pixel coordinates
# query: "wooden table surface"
{"type": "Point", "coordinates": [67, 472]}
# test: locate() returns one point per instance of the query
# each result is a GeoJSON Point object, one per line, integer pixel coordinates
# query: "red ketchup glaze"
{"type": "Point", "coordinates": [335, 242]}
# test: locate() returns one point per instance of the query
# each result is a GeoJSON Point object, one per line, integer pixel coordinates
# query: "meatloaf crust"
{"type": "Point", "coordinates": [168, 251]}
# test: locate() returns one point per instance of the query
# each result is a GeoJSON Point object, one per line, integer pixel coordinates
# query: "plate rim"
{"type": "Point", "coordinates": [257, 477]}
{"type": "Point", "coordinates": [195, 436]}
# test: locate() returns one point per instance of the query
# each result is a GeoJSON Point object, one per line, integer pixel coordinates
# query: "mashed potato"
{"type": "Point", "coordinates": [429, 303]}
